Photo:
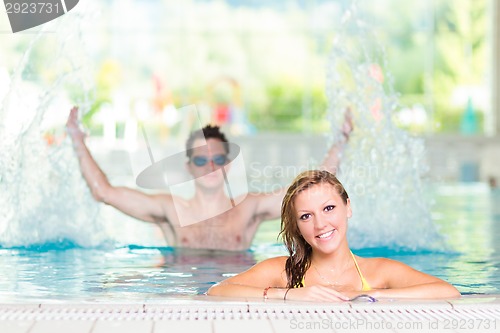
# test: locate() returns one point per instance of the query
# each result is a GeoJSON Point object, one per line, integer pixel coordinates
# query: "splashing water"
{"type": "Point", "coordinates": [43, 199]}
{"type": "Point", "coordinates": [382, 167]}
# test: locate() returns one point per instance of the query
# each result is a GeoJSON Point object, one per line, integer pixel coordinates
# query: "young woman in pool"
{"type": "Point", "coordinates": [320, 266]}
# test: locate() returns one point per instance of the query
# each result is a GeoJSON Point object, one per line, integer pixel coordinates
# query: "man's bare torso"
{"type": "Point", "coordinates": [232, 230]}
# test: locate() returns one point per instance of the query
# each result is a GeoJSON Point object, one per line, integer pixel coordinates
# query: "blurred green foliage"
{"type": "Point", "coordinates": [291, 108]}
{"type": "Point", "coordinates": [277, 53]}
{"type": "Point", "coordinates": [434, 48]}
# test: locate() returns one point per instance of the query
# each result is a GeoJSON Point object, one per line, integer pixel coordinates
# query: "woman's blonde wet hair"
{"type": "Point", "coordinates": [299, 250]}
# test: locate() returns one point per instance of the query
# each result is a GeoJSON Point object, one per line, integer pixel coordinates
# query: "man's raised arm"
{"type": "Point", "coordinates": [332, 159]}
{"type": "Point", "coordinates": [149, 208]}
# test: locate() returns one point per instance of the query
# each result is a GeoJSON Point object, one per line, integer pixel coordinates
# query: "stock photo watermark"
{"type": "Point", "coordinates": [465, 324]}
{"type": "Point", "coordinates": [272, 178]}
{"type": "Point", "coordinates": [26, 14]}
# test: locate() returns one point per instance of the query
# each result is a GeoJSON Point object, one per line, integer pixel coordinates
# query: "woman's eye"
{"type": "Point", "coordinates": [329, 207]}
{"type": "Point", "coordinates": [305, 216]}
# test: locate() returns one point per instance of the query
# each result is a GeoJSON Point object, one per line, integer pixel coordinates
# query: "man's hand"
{"type": "Point", "coordinates": [73, 126]}
{"type": "Point", "coordinates": [347, 126]}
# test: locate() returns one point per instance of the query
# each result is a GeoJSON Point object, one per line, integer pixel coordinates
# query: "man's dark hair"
{"type": "Point", "coordinates": [207, 132]}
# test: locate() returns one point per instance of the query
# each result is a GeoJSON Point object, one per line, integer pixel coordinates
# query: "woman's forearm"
{"type": "Point", "coordinates": [238, 290]}
{"type": "Point", "coordinates": [433, 290]}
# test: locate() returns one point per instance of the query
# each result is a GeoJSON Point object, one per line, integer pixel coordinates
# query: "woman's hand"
{"type": "Point", "coordinates": [316, 293]}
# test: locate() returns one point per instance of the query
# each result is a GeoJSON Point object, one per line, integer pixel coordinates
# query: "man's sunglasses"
{"type": "Point", "coordinates": [203, 160]}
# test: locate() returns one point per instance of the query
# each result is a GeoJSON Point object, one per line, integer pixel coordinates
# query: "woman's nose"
{"type": "Point", "coordinates": [319, 221]}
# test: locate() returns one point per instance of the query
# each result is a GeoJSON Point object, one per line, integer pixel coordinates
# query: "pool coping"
{"type": "Point", "coordinates": [212, 304]}
{"type": "Point", "coordinates": [228, 315]}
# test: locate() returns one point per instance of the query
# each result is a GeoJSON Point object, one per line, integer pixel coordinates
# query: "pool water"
{"type": "Point", "coordinates": [467, 215]}
{"type": "Point", "coordinates": [124, 274]}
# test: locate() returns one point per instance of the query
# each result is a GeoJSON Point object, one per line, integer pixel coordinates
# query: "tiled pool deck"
{"type": "Point", "coordinates": [218, 315]}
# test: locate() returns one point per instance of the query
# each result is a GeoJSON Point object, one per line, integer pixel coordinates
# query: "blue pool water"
{"type": "Point", "coordinates": [468, 216]}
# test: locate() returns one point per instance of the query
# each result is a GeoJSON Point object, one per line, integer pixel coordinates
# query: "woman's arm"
{"type": "Point", "coordinates": [398, 280]}
{"type": "Point", "coordinates": [265, 279]}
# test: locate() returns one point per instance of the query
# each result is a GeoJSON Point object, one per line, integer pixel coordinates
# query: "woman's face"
{"type": "Point", "coordinates": [321, 216]}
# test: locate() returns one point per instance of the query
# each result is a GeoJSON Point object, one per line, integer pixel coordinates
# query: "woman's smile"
{"type": "Point", "coordinates": [326, 235]}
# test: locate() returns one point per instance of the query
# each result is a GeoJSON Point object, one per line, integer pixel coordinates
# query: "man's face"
{"type": "Point", "coordinates": [205, 162]}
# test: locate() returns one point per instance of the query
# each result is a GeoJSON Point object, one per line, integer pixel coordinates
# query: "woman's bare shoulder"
{"type": "Point", "coordinates": [275, 262]}
{"type": "Point", "coordinates": [377, 263]}
{"type": "Point", "coordinates": [272, 267]}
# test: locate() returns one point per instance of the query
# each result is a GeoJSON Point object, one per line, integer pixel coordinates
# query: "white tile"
{"type": "Point", "coordinates": [83, 306]}
{"type": "Point", "coordinates": [18, 307]}
{"type": "Point", "coordinates": [199, 326]}
{"type": "Point", "coordinates": [300, 325]}
{"type": "Point", "coordinates": [476, 300]}
{"type": "Point", "coordinates": [242, 326]}
{"type": "Point", "coordinates": [402, 304]}
{"type": "Point", "coordinates": [62, 326]}
{"type": "Point", "coordinates": [15, 326]}
{"type": "Point", "coordinates": [293, 306]}
{"type": "Point", "coordinates": [123, 326]}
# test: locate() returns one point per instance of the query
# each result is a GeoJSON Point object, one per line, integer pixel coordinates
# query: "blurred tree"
{"type": "Point", "coordinates": [277, 51]}
{"type": "Point", "coordinates": [434, 49]}
{"type": "Point", "coordinates": [460, 57]}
